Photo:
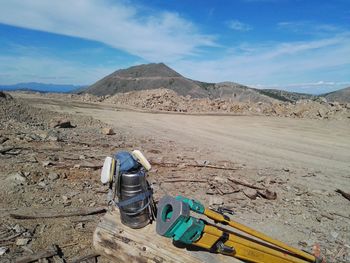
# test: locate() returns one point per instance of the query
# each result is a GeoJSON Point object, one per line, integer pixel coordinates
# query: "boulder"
{"type": "Point", "coordinates": [108, 131]}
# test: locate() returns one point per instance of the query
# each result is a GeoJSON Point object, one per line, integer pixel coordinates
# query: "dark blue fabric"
{"type": "Point", "coordinates": [134, 199]}
{"type": "Point", "coordinates": [127, 162]}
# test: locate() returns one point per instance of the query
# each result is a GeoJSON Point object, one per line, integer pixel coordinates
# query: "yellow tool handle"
{"type": "Point", "coordinates": [220, 218]}
{"type": "Point", "coordinates": [244, 248]}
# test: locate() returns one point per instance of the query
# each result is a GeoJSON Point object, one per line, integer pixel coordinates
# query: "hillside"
{"type": "Point", "coordinates": [145, 77]}
{"type": "Point", "coordinates": [284, 95]}
{"type": "Point", "coordinates": [156, 76]}
{"type": "Point", "coordinates": [342, 95]}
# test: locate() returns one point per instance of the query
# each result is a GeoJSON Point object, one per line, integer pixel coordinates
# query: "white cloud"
{"type": "Point", "coordinates": [280, 63]}
{"type": "Point", "coordinates": [238, 26]}
{"type": "Point", "coordinates": [309, 28]}
{"type": "Point", "coordinates": [15, 69]}
{"type": "Point", "coordinates": [165, 36]}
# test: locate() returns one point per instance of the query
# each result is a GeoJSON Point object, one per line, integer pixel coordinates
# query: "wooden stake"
{"type": "Point", "coordinates": [52, 251]}
{"type": "Point", "coordinates": [54, 214]}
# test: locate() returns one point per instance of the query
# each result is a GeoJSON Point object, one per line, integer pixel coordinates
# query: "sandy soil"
{"type": "Point", "coordinates": [303, 161]}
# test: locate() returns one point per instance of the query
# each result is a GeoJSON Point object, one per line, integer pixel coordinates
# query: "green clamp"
{"type": "Point", "coordinates": [174, 221]}
{"type": "Point", "coordinates": [193, 204]}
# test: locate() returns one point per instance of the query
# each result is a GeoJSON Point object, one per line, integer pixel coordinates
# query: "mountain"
{"type": "Point", "coordinates": [41, 87]}
{"type": "Point", "coordinates": [145, 77]}
{"type": "Point", "coordinates": [155, 76]}
{"type": "Point", "coordinates": [342, 95]}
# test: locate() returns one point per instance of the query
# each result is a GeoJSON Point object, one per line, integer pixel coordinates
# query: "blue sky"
{"type": "Point", "coordinates": [290, 44]}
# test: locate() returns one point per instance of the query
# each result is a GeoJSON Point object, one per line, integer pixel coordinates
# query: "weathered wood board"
{"type": "Point", "coordinates": [122, 244]}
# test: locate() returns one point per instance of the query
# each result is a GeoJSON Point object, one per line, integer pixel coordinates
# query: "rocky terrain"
{"type": "Point", "coordinates": [50, 162]}
{"type": "Point", "coordinates": [164, 100]}
{"type": "Point", "coordinates": [169, 101]}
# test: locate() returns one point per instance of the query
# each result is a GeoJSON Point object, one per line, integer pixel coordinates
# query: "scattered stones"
{"type": "Point", "coordinates": [108, 131]}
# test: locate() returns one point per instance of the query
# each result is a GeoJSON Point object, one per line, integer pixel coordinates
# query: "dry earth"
{"type": "Point", "coordinates": [303, 160]}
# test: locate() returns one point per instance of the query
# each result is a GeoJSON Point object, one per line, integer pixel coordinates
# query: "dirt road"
{"type": "Point", "coordinates": [260, 142]}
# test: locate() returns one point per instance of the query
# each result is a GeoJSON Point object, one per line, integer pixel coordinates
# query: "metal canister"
{"type": "Point", "coordinates": [136, 214]}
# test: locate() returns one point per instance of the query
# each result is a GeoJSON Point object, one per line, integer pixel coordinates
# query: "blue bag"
{"type": "Point", "coordinates": [126, 161]}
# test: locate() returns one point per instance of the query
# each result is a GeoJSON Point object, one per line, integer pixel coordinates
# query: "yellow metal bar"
{"type": "Point", "coordinates": [220, 218]}
{"type": "Point", "coordinates": [245, 249]}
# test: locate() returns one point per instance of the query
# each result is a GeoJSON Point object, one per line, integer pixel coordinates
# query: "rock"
{"type": "Point", "coordinates": [47, 163]}
{"type": "Point", "coordinates": [52, 138]}
{"type": "Point", "coordinates": [322, 113]}
{"type": "Point", "coordinates": [3, 250]}
{"type": "Point", "coordinates": [3, 139]}
{"type": "Point", "coordinates": [108, 131]}
{"type": "Point", "coordinates": [334, 235]}
{"type": "Point", "coordinates": [202, 162]}
{"type": "Point", "coordinates": [251, 193]}
{"type": "Point", "coordinates": [65, 198]}
{"type": "Point", "coordinates": [322, 100]}
{"type": "Point", "coordinates": [267, 194]}
{"type": "Point", "coordinates": [79, 225]}
{"type": "Point", "coordinates": [26, 174]}
{"type": "Point", "coordinates": [63, 124]}
{"type": "Point", "coordinates": [18, 228]}
{"type": "Point", "coordinates": [42, 184]}
{"type": "Point", "coordinates": [215, 200]}
{"type": "Point", "coordinates": [53, 176]}
{"type": "Point", "coordinates": [58, 259]}
{"type": "Point", "coordinates": [22, 241]}
{"type": "Point", "coordinates": [220, 179]}
{"type": "Point", "coordinates": [32, 159]}
{"type": "Point", "coordinates": [17, 178]}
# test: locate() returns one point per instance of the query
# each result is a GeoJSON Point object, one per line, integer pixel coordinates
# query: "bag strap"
{"type": "Point", "coordinates": [134, 199]}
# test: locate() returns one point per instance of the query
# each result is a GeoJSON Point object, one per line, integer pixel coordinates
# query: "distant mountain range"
{"type": "Point", "coordinates": [42, 87]}
{"type": "Point", "coordinates": [159, 75]}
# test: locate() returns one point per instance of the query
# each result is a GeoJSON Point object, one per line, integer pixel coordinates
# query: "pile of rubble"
{"type": "Point", "coordinates": [168, 100]}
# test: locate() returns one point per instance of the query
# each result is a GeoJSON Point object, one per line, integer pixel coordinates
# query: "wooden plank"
{"type": "Point", "coordinates": [120, 244]}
